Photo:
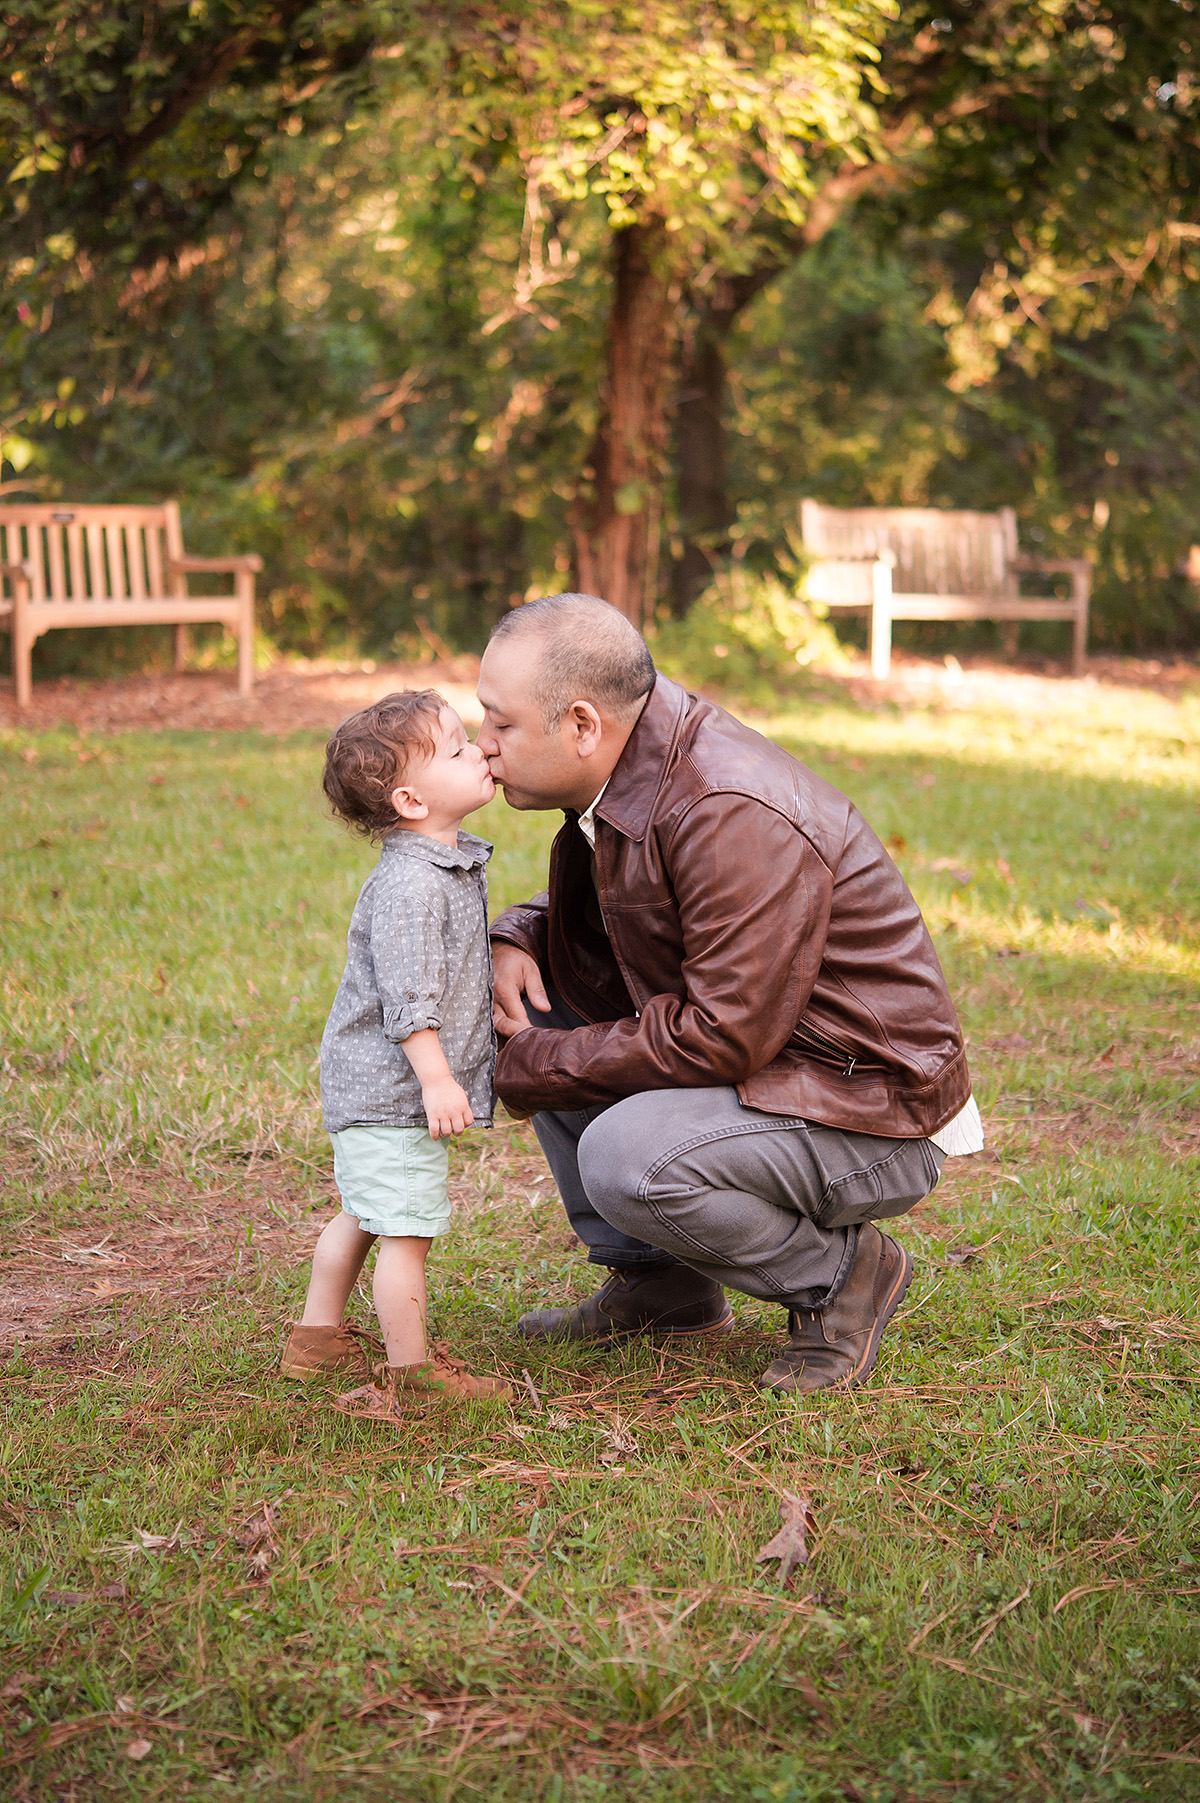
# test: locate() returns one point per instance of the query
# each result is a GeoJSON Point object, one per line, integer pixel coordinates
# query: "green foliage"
{"type": "Point", "coordinates": [747, 635]}
{"type": "Point", "coordinates": [350, 307]}
{"type": "Point", "coordinates": [704, 116]}
{"type": "Point", "coordinates": [844, 387]}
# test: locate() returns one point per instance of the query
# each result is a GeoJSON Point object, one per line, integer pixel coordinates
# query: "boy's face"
{"type": "Point", "coordinates": [451, 783]}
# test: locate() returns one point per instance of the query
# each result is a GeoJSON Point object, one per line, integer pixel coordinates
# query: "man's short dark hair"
{"type": "Point", "coordinates": [586, 651]}
{"type": "Point", "coordinates": [367, 756]}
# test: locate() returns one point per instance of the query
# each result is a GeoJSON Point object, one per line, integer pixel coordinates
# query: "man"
{"type": "Point", "coordinates": [742, 1052]}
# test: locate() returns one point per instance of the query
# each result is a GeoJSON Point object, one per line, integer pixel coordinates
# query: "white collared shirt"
{"type": "Point", "coordinates": [587, 822]}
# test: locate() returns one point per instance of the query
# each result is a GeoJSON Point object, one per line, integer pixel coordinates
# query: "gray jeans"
{"type": "Point", "coordinates": [764, 1203]}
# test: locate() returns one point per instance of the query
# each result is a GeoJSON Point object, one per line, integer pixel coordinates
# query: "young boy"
{"type": "Point", "coordinates": [408, 1051]}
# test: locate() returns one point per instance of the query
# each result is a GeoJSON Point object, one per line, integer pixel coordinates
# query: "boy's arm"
{"type": "Point", "coordinates": [445, 1101]}
{"type": "Point", "coordinates": [409, 953]}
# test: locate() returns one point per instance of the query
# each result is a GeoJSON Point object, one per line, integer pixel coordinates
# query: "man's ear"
{"type": "Point", "coordinates": [408, 804]}
{"type": "Point", "coordinates": [584, 728]}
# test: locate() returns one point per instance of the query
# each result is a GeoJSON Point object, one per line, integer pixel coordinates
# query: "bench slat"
{"type": "Point", "coordinates": [167, 610]}
{"type": "Point", "coordinates": [963, 607]}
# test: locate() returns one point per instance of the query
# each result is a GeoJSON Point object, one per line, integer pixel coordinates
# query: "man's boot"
{"type": "Point", "coordinates": [838, 1344]}
{"type": "Point", "coordinates": [652, 1300]}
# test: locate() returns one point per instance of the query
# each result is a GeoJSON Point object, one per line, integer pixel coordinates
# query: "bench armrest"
{"type": "Point", "coordinates": [1051, 566]}
{"type": "Point", "coordinates": [17, 569]}
{"type": "Point", "coordinates": [249, 560]}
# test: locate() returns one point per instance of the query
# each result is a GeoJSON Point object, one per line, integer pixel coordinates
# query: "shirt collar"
{"type": "Point", "coordinates": [587, 824]}
{"type": "Point", "coordinates": [466, 855]}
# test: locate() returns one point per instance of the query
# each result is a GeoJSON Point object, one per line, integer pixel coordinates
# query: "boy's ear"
{"type": "Point", "coordinates": [408, 804]}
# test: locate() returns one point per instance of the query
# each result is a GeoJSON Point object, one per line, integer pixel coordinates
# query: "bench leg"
{"type": "Point", "coordinates": [22, 656]}
{"type": "Point", "coordinates": [1009, 639]}
{"type": "Point", "coordinates": [181, 649]}
{"type": "Point", "coordinates": [1079, 636]}
{"type": "Point", "coordinates": [246, 634]}
{"type": "Point", "coordinates": [880, 643]}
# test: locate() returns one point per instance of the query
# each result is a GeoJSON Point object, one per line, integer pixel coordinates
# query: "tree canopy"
{"type": "Point", "coordinates": [437, 309]}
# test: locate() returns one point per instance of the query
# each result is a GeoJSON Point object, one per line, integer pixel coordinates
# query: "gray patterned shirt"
{"type": "Point", "coordinates": [417, 956]}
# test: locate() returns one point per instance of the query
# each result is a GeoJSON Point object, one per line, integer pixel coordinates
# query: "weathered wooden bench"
{"type": "Point", "coordinates": [112, 566]}
{"type": "Point", "coordinates": [928, 563]}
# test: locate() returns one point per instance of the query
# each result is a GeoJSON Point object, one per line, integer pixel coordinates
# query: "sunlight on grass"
{"type": "Point", "coordinates": [559, 1601]}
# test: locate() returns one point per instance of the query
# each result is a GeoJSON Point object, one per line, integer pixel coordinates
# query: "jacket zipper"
{"type": "Point", "coordinates": [822, 1041]}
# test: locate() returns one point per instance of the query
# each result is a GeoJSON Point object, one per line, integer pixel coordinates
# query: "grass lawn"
{"type": "Point", "coordinates": [215, 1585]}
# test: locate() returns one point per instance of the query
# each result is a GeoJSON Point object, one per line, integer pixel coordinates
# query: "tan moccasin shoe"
{"type": "Point", "coordinates": [397, 1387]}
{"type": "Point", "coordinates": [320, 1352]}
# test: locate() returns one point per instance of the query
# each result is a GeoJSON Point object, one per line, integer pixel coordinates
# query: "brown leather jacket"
{"type": "Point", "coordinates": [758, 935]}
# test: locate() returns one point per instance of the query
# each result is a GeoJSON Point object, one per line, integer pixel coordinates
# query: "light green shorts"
{"type": "Point", "coordinates": [393, 1180]}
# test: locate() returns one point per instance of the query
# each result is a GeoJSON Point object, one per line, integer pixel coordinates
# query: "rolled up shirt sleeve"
{"type": "Point", "coordinates": [408, 947]}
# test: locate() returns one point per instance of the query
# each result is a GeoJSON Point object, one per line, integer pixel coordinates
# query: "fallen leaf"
{"type": "Point", "coordinates": [158, 1543]}
{"type": "Point", "coordinates": [925, 781]}
{"type": "Point", "coordinates": [1006, 875]}
{"type": "Point", "coordinates": [960, 872]}
{"type": "Point", "coordinates": [962, 1255]}
{"type": "Point", "coordinates": [13, 1687]}
{"type": "Point", "coordinates": [148, 1543]}
{"type": "Point", "coordinates": [1106, 1056]}
{"type": "Point", "coordinates": [897, 843]}
{"type": "Point", "coordinates": [64, 1599]}
{"type": "Point", "coordinates": [138, 1749]}
{"type": "Point", "coordinates": [790, 1544]}
{"type": "Point", "coordinates": [808, 1690]}
{"type": "Point", "coordinates": [256, 1536]}
{"type": "Point", "coordinates": [98, 1254]}
{"type": "Point", "coordinates": [619, 1443]}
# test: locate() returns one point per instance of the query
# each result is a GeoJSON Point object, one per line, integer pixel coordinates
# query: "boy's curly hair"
{"type": "Point", "coordinates": [368, 754]}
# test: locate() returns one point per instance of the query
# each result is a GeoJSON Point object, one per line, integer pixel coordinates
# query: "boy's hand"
{"type": "Point", "coordinates": [446, 1107]}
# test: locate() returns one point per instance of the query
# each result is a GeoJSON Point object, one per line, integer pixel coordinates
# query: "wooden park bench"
{"type": "Point", "coordinates": [112, 566]}
{"type": "Point", "coordinates": [927, 563]}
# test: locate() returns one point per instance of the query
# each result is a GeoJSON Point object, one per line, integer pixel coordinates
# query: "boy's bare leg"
{"type": "Point", "coordinates": [399, 1296]}
{"type": "Point", "coordinates": [339, 1257]}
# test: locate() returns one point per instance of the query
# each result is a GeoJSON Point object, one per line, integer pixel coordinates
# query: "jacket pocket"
{"type": "Point", "coordinates": [892, 1185]}
{"type": "Point", "coordinates": [827, 1048]}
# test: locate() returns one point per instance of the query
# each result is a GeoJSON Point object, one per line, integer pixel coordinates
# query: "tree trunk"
{"type": "Point", "coordinates": [618, 507]}
{"type": "Point", "coordinates": [701, 497]}
{"type": "Point", "coordinates": [705, 516]}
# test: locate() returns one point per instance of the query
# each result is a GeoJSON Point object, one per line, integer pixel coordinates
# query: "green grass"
{"type": "Point", "coordinates": [1005, 1583]}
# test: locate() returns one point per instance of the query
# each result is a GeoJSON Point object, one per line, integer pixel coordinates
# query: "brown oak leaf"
{"type": "Point", "coordinates": [790, 1544]}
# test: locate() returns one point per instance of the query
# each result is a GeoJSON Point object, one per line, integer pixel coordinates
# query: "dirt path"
{"type": "Point", "coordinates": [314, 697]}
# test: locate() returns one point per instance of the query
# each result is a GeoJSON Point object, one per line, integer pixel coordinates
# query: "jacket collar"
{"type": "Point", "coordinates": [469, 851]}
{"type": "Point", "coordinates": [628, 801]}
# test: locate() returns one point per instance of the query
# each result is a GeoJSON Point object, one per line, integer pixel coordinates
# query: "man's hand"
{"type": "Point", "coordinates": [517, 978]}
{"type": "Point", "coordinates": [446, 1107]}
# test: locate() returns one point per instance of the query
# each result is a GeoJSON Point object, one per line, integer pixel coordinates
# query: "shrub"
{"type": "Point", "coordinates": [748, 635]}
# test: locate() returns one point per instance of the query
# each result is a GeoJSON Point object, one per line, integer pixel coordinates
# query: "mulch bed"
{"type": "Point", "coordinates": [314, 697]}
